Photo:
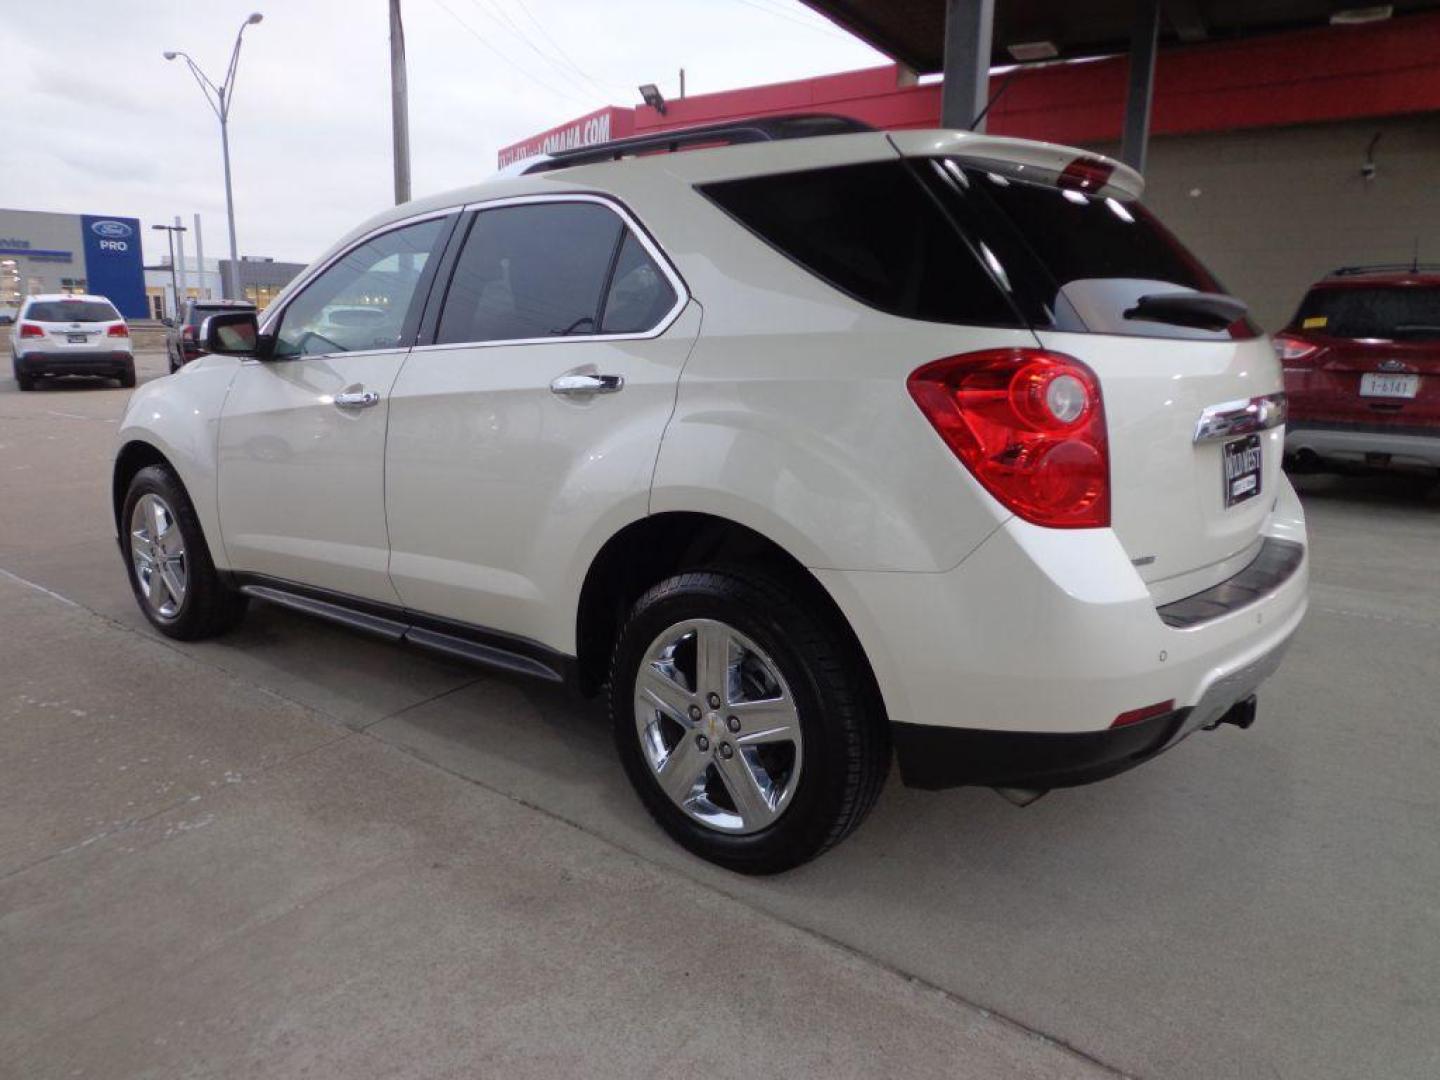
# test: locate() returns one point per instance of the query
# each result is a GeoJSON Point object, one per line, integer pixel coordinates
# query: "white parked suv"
{"type": "Point", "coordinates": [808, 449]}
{"type": "Point", "coordinates": [63, 334]}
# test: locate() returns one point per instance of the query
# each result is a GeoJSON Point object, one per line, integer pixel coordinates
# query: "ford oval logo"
{"type": "Point", "coordinates": [111, 230]}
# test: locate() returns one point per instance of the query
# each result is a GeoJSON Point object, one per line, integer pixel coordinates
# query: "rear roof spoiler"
{"type": "Point", "coordinates": [731, 133]}
{"type": "Point", "coordinates": [1086, 167]}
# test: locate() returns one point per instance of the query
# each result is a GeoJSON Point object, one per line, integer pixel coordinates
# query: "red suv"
{"type": "Point", "coordinates": [1362, 368]}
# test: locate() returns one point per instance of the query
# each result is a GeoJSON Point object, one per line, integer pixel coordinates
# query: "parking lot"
{"type": "Point", "coordinates": [297, 850]}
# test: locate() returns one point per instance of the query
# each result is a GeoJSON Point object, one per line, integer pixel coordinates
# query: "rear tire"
{"type": "Point", "coordinates": [127, 377]}
{"type": "Point", "coordinates": [25, 382]}
{"type": "Point", "coordinates": [837, 761]}
{"type": "Point", "coordinates": [171, 573]}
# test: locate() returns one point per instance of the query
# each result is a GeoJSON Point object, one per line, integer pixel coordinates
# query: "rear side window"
{"type": "Point", "coordinates": [198, 313]}
{"type": "Point", "coordinates": [1070, 259]}
{"type": "Point", "coordinates": [870, 231]}
{"type": "Point", "coordinates": [552, 269]}
{"type": "Point", "coordinates": [82, 311]}
{"type": "Point", "coordinates": [1397, 313]}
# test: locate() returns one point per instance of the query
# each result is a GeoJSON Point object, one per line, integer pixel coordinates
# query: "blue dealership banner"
{"type": "Point", "coordinates": [113, 266]}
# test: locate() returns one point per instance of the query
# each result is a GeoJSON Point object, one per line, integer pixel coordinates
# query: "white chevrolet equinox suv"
{"type": "Point", "coordinates": [808, 445]}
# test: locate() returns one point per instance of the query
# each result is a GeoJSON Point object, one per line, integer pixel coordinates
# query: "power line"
{"type": "Point", "coordinates": [501, 18]}
{"type": "Point", "coordinates": [599, 83]}
{"type": "Point", "coordinates": [529, 75]}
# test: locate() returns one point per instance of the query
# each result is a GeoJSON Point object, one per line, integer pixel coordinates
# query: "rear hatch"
{"type": "Point", "coordinates": [1373, 353]}
{"type": "Point", "coordinates": [1070, 244]}
{"type": "Point", "coordinates": [72, 325]}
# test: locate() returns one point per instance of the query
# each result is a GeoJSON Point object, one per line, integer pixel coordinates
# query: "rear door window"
{"type": "Point", "coordinates": [81, 311]}
{"type": "Point", "coordinates": [871, 231]}
{"type": "Point", "coordinates": [533, 271]}
{"type": "Point", "coordinates": [1395, 313]}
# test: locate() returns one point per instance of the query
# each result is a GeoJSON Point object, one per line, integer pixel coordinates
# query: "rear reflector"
{"type": "Point", "coordinates": [1149, 712]}
{"type": "Point", "coordinates": [30, 330]}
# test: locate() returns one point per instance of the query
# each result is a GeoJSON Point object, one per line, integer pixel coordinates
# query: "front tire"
{"type": "Point", "coordinates": [171, 573]}
{"type": "Point", "coordinates": [746, 720]}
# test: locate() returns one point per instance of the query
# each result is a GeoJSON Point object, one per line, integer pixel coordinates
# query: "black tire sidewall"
{"type": "Point", "coordinates": [782, 632]}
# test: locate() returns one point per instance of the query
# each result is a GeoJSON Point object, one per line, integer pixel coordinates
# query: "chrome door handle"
{"type": "Point", "coordinates": [358, 399]}
{"type": "Point", "coordinates": [587, 384]}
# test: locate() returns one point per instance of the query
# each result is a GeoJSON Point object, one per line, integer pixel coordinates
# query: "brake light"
{"type": "Point", "coordinates": [1029, 424]}
{"type": "Point", "coordinates": [1085, 174]}
{"type": "Point", "coordinates": [1293, 348]}
{"type": "Point", "coordinates": [188, 333]}
{"type": "Point", "coordinates": [30, 330]}
{"type": "Point", "coordinates": [117, 330]}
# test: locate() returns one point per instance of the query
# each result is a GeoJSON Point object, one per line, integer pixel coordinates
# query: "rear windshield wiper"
{"type": "Point", "coordinates": [1200, 310]}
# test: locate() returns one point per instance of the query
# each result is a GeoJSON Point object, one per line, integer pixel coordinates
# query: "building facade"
{"type": "Point", "coordinates": [71, 253]}
{"type": "Point", "coordinates": [256, 278]}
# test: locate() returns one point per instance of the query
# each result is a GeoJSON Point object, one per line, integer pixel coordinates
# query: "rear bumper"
{"type": "Point", "coordinates": [96, 363]}
{"type": "Point", "coordinates": [1011, 668]}
{"type": "Point", "coordinates": [1359, 443]}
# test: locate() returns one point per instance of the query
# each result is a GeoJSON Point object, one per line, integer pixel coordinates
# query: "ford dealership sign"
{"type": "Point", "coordinates": [111, 230]}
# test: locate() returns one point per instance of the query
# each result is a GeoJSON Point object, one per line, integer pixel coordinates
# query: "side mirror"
{"type": "Point", "coordinates": [168, 322]}
{"type": "Point", "coordinates": [234, 333]}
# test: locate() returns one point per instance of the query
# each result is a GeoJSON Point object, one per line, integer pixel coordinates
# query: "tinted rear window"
{"type": "Point", "coordinates": [85, 311]}
{"type": "Point", "coordinates": [870, 231]}
{"type": "Point", "coordinates": [1397, 313]}
{"type": "Point", "coordinates": [1071, 260]}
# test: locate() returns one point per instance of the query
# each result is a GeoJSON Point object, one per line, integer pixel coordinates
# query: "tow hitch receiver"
{"type": "Point", "coordinates": [1241, 714]}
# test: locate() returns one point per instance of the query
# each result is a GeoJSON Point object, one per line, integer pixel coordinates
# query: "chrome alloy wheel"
{"type": "Point", "coordinates": [158, 551]}
{"type": "Point", "coordinates": [718, 726]}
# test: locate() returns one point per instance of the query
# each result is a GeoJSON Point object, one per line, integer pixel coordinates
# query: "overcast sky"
{"type": "Point", "coordinates": [103, 124]}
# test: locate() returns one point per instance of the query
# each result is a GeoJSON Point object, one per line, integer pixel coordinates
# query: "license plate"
{"type": "Point", "coordinates": [1376, 384]}
{"type": "Point", "coordinates": [76, 339]}
{"type": "Point", "coordinates": [1242, 461]}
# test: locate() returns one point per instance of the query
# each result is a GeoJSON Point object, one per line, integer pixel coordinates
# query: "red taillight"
{"type": "Point", "coordinates": [1293, 349]}
{"type": "Point", "coordinates": [117, 330]}
{"type": "Point", "coordinates": [188, 333]}
{"type": "Point", "coordinates": [1085, 174]}
{"type": "Point", "coordinates": [1149, 712]}
{"type": "Point", "coordinates": [1030, 425]}
{"type": "Point", "coordinates": [30, 330]}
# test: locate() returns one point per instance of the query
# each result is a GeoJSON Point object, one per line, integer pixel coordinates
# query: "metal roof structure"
{"type": "Point", "coordinates": [913, 31]}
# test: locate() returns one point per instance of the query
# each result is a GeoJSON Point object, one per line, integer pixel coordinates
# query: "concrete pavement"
{"type": "Point", "coordinates": [347, 858]}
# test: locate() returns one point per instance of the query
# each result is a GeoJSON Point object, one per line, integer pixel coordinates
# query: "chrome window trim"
{"type": "Point", "coordinates": [306, 278]}
{"type": "Point", "coordinates": [677, 283]}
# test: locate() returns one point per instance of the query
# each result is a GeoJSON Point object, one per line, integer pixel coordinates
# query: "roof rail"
{"type": "Point", "coordinates": [730, 133]}
{"type": "Point", "coordinates": [1385, 268]}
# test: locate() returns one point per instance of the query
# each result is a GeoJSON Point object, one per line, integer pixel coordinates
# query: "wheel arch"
{"type": "Point", "coordinates": [653, 548]}
{"type": "Point", "coordinates": [135, 455]}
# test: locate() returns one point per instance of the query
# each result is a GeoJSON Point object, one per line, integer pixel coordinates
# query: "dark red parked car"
{"type": "Point", "coordinates": [1362, 369]}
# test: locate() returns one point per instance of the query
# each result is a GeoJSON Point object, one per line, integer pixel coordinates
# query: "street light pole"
{"type": "Point", "coordinates": [219, 99]}
{"type": "Point", "coordinates": [399, 106]}
{"type": "Point", "coordinates": [170, 231]}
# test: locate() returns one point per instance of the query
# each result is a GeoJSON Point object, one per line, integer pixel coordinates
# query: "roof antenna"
{"type": "Point", "coordinates": [1004, 85]}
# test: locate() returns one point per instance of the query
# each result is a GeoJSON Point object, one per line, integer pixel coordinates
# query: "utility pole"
{"type": "Point", "coordinates": [399, 105]}
{"type": "Point", "coordinates": [180, 254]}
{"type": "Point", "coordinates": [200, 260]}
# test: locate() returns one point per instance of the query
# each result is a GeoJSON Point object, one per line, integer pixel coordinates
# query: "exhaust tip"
{"type": "Point", "coordinates": [1018, 796]}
